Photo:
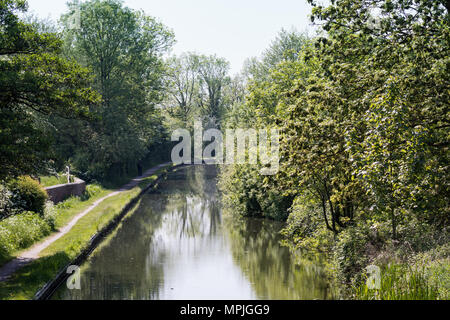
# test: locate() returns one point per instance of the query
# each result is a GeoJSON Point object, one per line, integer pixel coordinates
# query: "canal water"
{"type": "Point", "coordinates": [178, 245]}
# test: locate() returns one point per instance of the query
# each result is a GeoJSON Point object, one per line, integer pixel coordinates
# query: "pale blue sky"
{"type": "Point", "coordinates": [233, 29]}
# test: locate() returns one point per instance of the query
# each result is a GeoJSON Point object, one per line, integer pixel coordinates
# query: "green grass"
{"type": "Point", "coordinates": [48, 181]}
{"type": "Point", "coordinates": [28, 280]}
{"type": "Point", "coordinates": [400, 282]}
{"type": "Point", "coordinates": [74, 241]}
{"type": "Point", "coordinates": [74, 205]}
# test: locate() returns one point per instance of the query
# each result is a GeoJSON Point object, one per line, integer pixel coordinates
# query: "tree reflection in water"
{"type": "Point", "coordinates": [270, 268]}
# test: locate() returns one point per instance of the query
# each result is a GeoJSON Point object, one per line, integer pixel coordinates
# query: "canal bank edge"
{"type": "Point", "coordinates": [50, 287]}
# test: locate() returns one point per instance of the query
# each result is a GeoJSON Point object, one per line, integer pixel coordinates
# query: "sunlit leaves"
{"type": "Point", "coordinates": [36, 84]}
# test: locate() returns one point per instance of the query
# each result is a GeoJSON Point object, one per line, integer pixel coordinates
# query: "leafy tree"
{"type": "Point", "coordinates": [36, 83]}
{"type": "Point", "coordinates": [198, 87]}
{"type": "Point", "coordinates": [395, 54]}
{"type": "Point", "coordinates": [363, 112]}
{"type": "Point", "coordinates": [285, 47]}
{"type": "Point", "coordinates": [213, 73]}
{"type": "Point", "coordinates": [359, 133]}
{"type": "Point", "coordinates": [124, 49]}
{"type": "Point", "coordinates": [183, 87]}
{"type": "Point", "coordinates": [268, 83]}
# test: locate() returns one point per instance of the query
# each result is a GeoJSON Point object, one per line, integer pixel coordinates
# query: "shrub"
{"type": "Point", "coordinates": [29, 195]}
{"type": "Point", "coordinates": [305, 229]}
{"type": "Point", "coordinates": [240, 185]}
{"type": "Point", "coordinates": [351, 254]}
{"type": "Point", "coordinates": [92, 190]}
{"type": "Point", "coordinates": [251, 194]}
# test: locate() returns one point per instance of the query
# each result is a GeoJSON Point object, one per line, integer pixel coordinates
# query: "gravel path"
{"type": "Point", "coordinates": [33, 253]}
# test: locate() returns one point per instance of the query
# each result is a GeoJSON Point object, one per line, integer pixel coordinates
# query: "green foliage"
{"type": "Point", "coordinates": [50, 214]}
{"type": "Point", "coordinates": [250, 194]}
{"type": "Point", "coordinates": [123, 48]}
{"type": "Point", "coordinates": [197, 87]}
{"type": "Point", "coordinates": [93, 190]}
{"type": "Point", "coordinates": [287, 46]}
{"type": "Point", "coordinates": [243, 187]}
{"type": "Point", "coordinates": [29, 195]}
{"type": "Point", "coordinates": [21, 231]}
{"type": "Point", "coordinates": [36, 83]}
{"type": "Point", "coordinates": [352, 252]}
{"type": "Point", "coordinates": [6, 202]}
{"type": "Point", "coordinates": [305, 230]}
{"type": "Point", "coordinates": [363, 112]}
{"type": "Point", "coordinates": [399, 283]}
{"type": "Point", "coordinates": [239, 185]}
{"type": "Point", "coordinates": [213, 72]}
{"type": "Point", "coordinates": [182, 101]}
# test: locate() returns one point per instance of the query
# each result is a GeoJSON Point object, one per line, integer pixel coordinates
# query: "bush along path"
{"type": "Point", "coordinates": [32, 254]}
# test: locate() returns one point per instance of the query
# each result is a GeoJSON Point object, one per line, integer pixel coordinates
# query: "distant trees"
{"type": "Point", "coordinates": [196, 87]}
{"type": "Point", "coordinates": [285, 47]}
{"type": "Point", "coordinates": [36, 83]}
{"type": "Point", "coordinates": [183, 87]}
{"type": "Point", "coordinates": [213, 72]}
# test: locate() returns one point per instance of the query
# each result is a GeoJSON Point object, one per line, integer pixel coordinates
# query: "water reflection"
{"type": "Point", "coordinates": [269, 267]}
{"type": "Point", "coordinates": [176, 246]}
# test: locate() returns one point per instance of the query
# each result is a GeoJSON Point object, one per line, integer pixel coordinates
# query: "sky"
{"type": "Point", "coordinates": [232, 29]}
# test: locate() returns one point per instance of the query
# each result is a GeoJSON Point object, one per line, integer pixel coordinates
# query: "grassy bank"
{"type": "Point", "coordinates": [22, 231]}
{"type": "Point", "coordinates": [28, 280]}
{"type": "Point", "coordinates": [18, 233]}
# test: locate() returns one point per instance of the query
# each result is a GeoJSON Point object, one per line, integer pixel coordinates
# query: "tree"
{"type": "Point", "coordinates": [285, 47]}
{"type": "Point", "coordinates": [369, 125]}
{"type": "Point", "coordinates": [213, 73]}
{"type": "Point", "coordinates": [36, 83]}
{"type": "Point", "coordinates": [198, 87]}
{"type": "Point", "coordinates": [263, 104]}
{"type": "Point", "coordinates": [183, 87]}
{"type": "Point", "coordinates": [124, 49]}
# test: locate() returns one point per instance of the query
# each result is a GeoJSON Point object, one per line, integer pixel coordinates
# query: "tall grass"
{"type": "Point", "coordinates": [399, 282]}
{"type": "Point", "coordinates": [21, 231]}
